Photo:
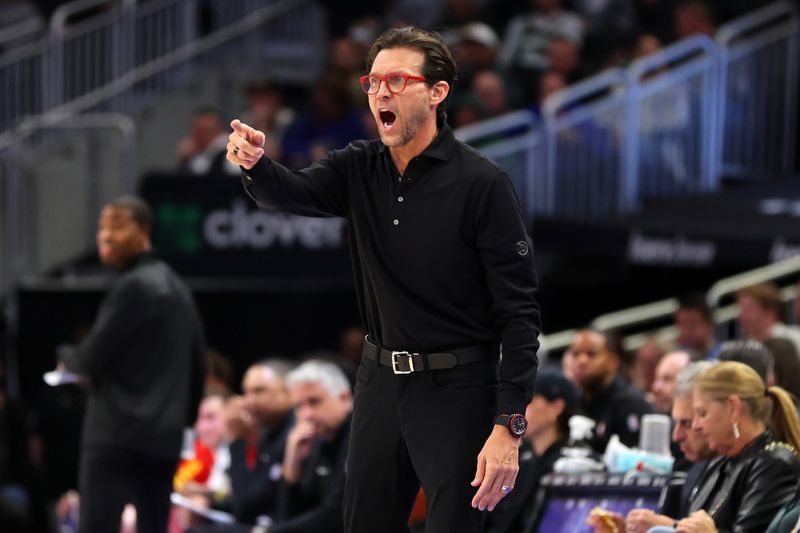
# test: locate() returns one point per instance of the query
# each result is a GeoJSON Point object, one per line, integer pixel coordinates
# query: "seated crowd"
{"type": "Point", "coordinates": [272, 458]}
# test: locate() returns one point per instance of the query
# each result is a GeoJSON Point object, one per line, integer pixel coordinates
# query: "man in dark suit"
{"type": "Point", "coordinates": [144, 360]}
{"type": "Point", "coordinates": [312, 486]}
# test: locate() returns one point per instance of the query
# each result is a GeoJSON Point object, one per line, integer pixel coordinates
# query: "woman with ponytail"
{"type": "Point", "coordinates": [756, 432]}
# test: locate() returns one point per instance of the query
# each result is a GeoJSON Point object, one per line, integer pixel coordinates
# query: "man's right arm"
{"type": "Point", "coordinates": [318, 190]}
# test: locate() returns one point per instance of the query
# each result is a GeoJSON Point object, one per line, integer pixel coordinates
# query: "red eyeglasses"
{"type": "Point", "coordinates": [396, 83]}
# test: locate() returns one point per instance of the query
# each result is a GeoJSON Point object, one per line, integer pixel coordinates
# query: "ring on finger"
{"type": "Point", "coordinates": [505, 489]}
{"type": "Point", "coordinates": [236, 151]}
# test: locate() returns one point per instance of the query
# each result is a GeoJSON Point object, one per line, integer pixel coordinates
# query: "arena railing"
{"type": "Point", "coordinates": [758, 85]}
{"type": "Point", "coordinates": [585, 147]}
{"type": "Point", "coordinates": [23, 32]}
{"type": "Point", "coordinates": [654, 320]}
{"type": "Point", "coordinates": [79, 59]}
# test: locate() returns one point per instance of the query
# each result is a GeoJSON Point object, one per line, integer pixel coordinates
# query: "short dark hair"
{"type": "Point", "coordinates": [140, 210]}
{"type": "Point", "coordinates": [768, 296]}
{"type": "Point", "coordinates": [439, 63]}
{"type": "Point", "coordinates": [696, 301]}
{"type": "Point", "coordinates": [750, 352]}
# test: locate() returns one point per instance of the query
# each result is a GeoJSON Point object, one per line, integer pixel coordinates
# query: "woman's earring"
{"type": "Point", "coordinates": [736, 433]}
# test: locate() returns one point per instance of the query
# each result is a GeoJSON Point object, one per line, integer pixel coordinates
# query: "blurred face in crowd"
{"type": "Point", "coordinates": [205, 128]}
{"type": "Point", "coordinates": [714, 420]}
{"type": "Point", "coordinates": [549, 83]}
{"type": "Point", "coordinates": [315, 404]}
{"type": "Point", "coordinates": [647, 358]}
{"type": "Point", "coordinates": [593, 365]}
{"type": "Point", "coordinates": [646, 45]}
{"type": "Point", "coordinates": [489, 88]}
{"type": "Point", "coordinates": [210, 425]}
{"type": "Point", "coordinates": [694, 331]}
{"type": "Point", "coordinates": [690, 440]}
{"type": "Point", "coordinates": [400, 116]}
{"type": "Point", "coordinates": [754, 319]}
{"type": "Point", "coordinates": [265, 394]}
{"type": "Point", "coordinates": [119, 237]}
{"type": "Point", "coordinates": [563, 56]}
{"type": "Point", "coordinates": [663, 387]}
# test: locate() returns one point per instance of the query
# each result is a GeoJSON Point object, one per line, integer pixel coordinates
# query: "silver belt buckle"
{"type": "Point", "coordinates": [395, 362]}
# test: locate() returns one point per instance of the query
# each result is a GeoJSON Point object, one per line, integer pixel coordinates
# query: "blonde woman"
{"type": "Point", "coordinates": [755, 430]}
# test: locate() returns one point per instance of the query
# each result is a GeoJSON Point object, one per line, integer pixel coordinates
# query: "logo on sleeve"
{"type": "Point", "coordinates": [522, 248]}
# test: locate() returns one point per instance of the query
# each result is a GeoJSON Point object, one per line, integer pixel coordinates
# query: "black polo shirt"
{"type": "Point", "coordinates": [440, 254]}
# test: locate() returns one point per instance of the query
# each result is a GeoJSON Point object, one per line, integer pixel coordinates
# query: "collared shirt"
{"type": "Point", "coordinates": [440, 254]}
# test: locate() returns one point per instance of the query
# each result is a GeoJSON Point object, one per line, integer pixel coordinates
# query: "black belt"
{"type": "Point", "coordinates": [405, 362]}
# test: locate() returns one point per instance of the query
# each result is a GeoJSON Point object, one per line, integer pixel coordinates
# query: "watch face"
{"type": "Point", "coordinates": [518, 424]}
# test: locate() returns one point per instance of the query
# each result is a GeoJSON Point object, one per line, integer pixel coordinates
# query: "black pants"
{"type": "Point", "coordinates": [111, 478]}
{"type": "Point", "coordinates": [423, 428]}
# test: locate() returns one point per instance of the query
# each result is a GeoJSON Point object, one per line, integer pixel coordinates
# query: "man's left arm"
{"type": "Point", "coordinates": [507, 255]}
{"type": "Point", "coordinates": [127, 308]}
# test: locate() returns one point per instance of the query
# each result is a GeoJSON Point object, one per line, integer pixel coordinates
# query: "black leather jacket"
{"type": "Point", "coordinates": [744, 493]}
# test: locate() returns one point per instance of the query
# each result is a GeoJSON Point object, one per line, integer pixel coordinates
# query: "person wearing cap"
{"type": "Point", "coordinates": [555, 401]}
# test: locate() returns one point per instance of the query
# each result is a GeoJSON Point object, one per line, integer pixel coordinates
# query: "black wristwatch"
{"type": "Point", "coordinates": [516, 424]}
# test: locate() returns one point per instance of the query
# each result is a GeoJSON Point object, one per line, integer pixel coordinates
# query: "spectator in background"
{"type": "Point", "coordinates": [258, 424]}
{"type": "Point", "coordinates": [202, 153]}
{"type": "Point", "coordinates": [761, 314]}
{"type": "Point", "coordinates": [265, 108]}
{"type": "Point", "coordinates": [312, 483]}
{"type": "Point", "coordinates": [753, 354]}
{"type": "Point", "coordinates": [647, 44]}
{"type": "Point", "coordinates": [330, 124]}
{"type": "Point", "coordinates": [610, 25]}
{"type": "Point", "coordinates": [490, 90]}
{"type": "Point", "coordinates": [666, 379]}
{"type": "Point", "coordinates": [145, 359]}
{"type": "Point", "coordinates": [613, 403]}
{"type": "Point", "coordinates": [219, 372]}
{"type": "Point", "coordinates": [550, 82]}
{"type": "Point", "coordinates": [645, 362]}
{"type": "Point", "coordinates": [475, 50]}
{"type": "Point", "coordinates": [211, 433]}
{"type": "Point", "coordinates": [695, 325]}
{"type": "Point", "coordinates": [756, 431]}
{"type": "Point", "coordinates": [674, 501]}
{"type": "Point", "coordinates": [656, 17]}
{"type": "Point", "coordinates": [694, 17]}
{"type": "Point", "coordinates": [787, 364]}
{"type": "Point", "coordinates": [564, 57]}
{"type": "Point", "coordinates": [548, 414]}
{"type": "Point", "coordinates": [528, 36]}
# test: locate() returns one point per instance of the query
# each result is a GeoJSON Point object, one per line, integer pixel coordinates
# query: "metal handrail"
{"type": "Point", "coordinates": [636, 315]}
{"type": "Point", "coordinates": [163, 64]}
{"type": "Point", "coordinates": [494, 125]}
{"type": "Point", "coordinates": [729, 286]}
{"type": "Point", "coordinates": [780, 11]}
{"type": "Point", "coordinates": [26, 28]}
{"type": "Point", "coordinates": [663, 309]}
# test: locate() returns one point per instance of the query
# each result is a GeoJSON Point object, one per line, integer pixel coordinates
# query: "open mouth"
{"type": "Point", "coordinates": [387, 118]}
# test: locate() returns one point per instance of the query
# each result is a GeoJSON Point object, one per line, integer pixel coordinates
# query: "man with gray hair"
{"type": "Point", "coordinates": [312, 485]}
{"type": "Point", "coordinates": [675, 499]}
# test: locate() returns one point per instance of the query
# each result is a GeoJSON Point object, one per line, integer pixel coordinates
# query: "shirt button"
{"type": "Point", "coordinates": [399, 198]}
{"type": "Point", "coordinates": [396, 222]}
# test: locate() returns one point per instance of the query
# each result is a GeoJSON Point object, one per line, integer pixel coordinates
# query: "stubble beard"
{"type": "Point", "coordinates": [409, 129]}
